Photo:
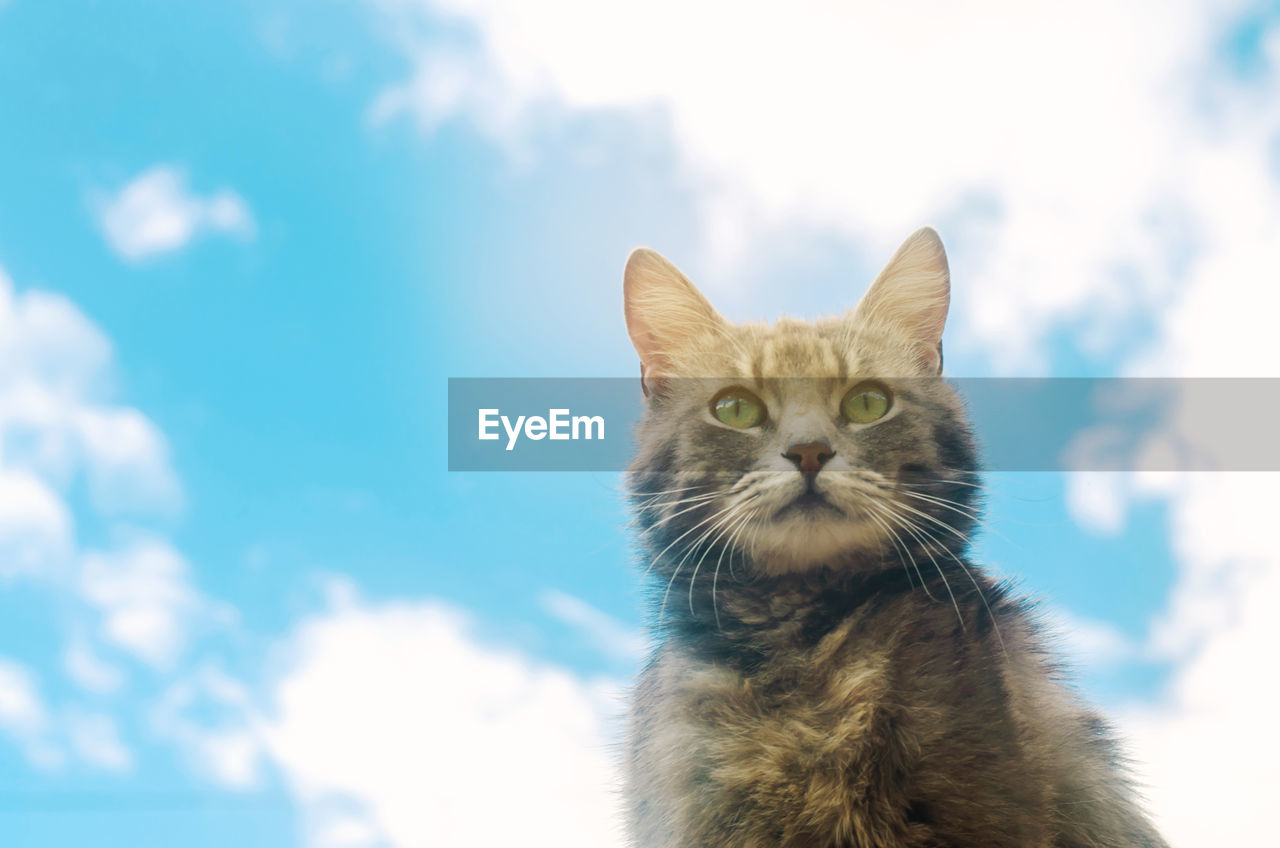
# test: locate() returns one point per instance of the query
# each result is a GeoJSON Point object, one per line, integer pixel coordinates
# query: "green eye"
{"type": "Point", "coordinates": [738, 408]}
{"type": "Point", "coordinates": [866, 402]}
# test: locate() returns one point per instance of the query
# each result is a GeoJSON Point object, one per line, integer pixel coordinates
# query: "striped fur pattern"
{"type": "Point", "coordinates": [831, 670]}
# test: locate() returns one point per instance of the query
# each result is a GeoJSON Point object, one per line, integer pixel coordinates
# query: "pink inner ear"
{"type": "Point", "coordinates": [931, 359]}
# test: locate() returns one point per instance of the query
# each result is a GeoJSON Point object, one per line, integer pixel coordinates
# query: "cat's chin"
{"type": "Point", "coordinates": [800, 540]}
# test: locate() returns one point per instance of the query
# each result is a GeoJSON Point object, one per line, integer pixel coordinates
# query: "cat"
{"type": "Point", "coordinates": [830, 670]}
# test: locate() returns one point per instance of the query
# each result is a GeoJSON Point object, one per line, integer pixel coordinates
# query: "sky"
{"type": "Point", "coordinates": [244, 245]}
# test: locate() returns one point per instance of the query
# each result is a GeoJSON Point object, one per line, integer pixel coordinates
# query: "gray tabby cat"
{"type": "Point", "coordinates": [831, 670]}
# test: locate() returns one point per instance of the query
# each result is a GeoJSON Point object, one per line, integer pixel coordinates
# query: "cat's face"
{"type": "Point", "coordinates": [799, 444]}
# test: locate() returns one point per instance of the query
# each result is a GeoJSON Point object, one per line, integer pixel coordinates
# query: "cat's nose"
{"type": "Point", "coordinates": [809, 457]}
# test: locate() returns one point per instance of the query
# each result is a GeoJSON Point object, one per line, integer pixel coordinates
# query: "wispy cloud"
{"type": "Point", "coordinates": [127, 461]}
{"type": "Point", "coordinates": [96, 738]}
{"type": "Point", "coordinates": [35, 525]}
{"type": "Point", "coordinates": [157, 212]}
{"type": "Point", "coordinates": [23, 714]}
{"type": "Point", "coordinates": [1089, 642]}
{"type": "Point", "coordinates": [46, 738]}
{"type": "Point", "coordinates": [88, 671]}
{"type": "Point", "coordinates": [144, 597]}
{"type": "Point", "coordinates": [59, 424]}
{"type": "Point", "coordinates": [209, 716]}
{"type": "Point", "coordinates": [600, 630]}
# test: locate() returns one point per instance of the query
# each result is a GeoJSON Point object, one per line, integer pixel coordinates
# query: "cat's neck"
{"type": "Point", "coordinates": [744, 620]}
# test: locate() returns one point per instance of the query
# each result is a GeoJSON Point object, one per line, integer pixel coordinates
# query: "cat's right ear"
{"type": "Point", "coordinates": [910, 297]}
{"type": "Point", "coordinates": [665, 314]}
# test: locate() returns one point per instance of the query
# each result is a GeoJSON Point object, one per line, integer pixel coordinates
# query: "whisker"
{"type": "Point", "coordinates": [893, 537]}
{"type": "Point", "coordinates": [654, 561]}
{"type": "Point", "coordinates": [968, 573]}
{"type": "Point", "coordinates": [696, 503]}
{"type": "Point", "coordinates": [955, 506]}
{"type": "Point", "coordinates": [715, 577]}
{"type": "Point", "coordinates": [912, 529]}
{"type": "Point", "coordinates": [749, 552]}
{"type": "Point", "coordinates": [697, 544]}
{"type": "Point", "coordinates": [944, 525]}
{"type": "Point", "coordinates": [972, 514]}
{"type": "Point", "coordinates": [724, 524]}
{"type": "Point", "coordinates": [668, 491]}
{"type": "Point", "coordinates": [897, 540]}
{"type": "Point", "coordinates": [715, 519]}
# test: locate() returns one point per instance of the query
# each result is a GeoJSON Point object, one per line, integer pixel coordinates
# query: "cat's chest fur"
{"type": "Point", "coordinates": [868, 735]}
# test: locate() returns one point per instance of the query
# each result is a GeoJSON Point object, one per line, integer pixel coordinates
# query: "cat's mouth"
{"type": "Point", "coordinates": [809, 502]}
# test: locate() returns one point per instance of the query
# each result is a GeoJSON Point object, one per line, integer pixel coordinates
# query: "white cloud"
{"type": "Point", "coordinates": [396, 725]}
{"type": "Point", "coordinates": [46, 340]}
{"type": "Point", "coordinates": [23, 714]}
{"type": "Point", "coordinates": [145, 598]}
{"type": "Point", "coordinates": [88, 671]}
{"type": "Point", "coordinates": [1073, 125]}
{"type": "Point", "coordinates": [127, 460]}
{"type": "Point", "coordinates": [20, 706]}
{"type": "Point", "coordinates": [59, 426]}
{"type": "Point", "coordinates": [57, 421]}
{"type": "Point", "coordinates": [46, 739]}
{"type": "Point", "coordinates": [35, 526]}
{"type": "Point", "coordinates": [96, 738]}
{"type": "Point", "coordinates": [158, 213]}
{"type": "Point", "coordinates": [210, 717]}
{"type": "Point", "coordinates": [60, 429]}
{"type": "Point", "coordinates": [1210, 744]}
{"type": "Point", "coordinates": [1098, 500]}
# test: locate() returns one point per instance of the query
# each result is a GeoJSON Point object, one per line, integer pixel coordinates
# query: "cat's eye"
{"type": "Point", "coordinates": [866, 402]}
{"type": "Point", "coordinates": [738, 408]}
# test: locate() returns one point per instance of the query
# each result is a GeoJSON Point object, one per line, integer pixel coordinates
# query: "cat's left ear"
{"type": "Point", "coordinates": [666, 314]}
{"type": "Point", "coordinates": [910, 297]}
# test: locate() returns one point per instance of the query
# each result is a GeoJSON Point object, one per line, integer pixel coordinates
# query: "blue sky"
{"type": "Point", "coordinates": [248, 243]}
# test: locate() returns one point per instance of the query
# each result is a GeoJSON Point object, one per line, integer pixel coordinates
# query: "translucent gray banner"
{"type": "Point", "coordinates": [1055, 424]}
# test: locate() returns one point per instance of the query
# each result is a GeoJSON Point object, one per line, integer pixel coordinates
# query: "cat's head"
{"type": "Point", "coordinates": [801, 444]}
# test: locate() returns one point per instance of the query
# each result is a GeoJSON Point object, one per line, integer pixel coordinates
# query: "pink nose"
{"type": "Point", "coordinates": [810, 456]}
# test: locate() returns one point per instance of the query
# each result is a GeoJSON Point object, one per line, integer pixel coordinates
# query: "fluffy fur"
{"type": "Point", "coordinates": [831, 670]}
